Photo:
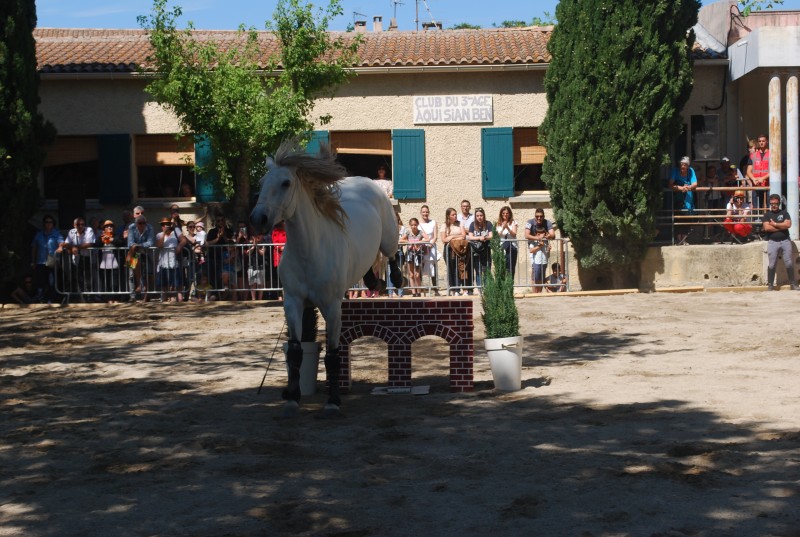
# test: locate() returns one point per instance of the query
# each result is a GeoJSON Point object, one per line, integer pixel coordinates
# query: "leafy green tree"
{"type": "Point", "coordinates": [246, 108]}
{"type": "Point", "coordinates": [749, 5]}
{"type": "Point", "coordinates": [465, 26]}
{"type": "Point", "coordinates": [511, 24]}
{"type": "Point", "coordinates": [621, 73]}
{"type": "Point", "coordinates": [23, 132]}
{"type": "Point", "coordinates": [546, 20]}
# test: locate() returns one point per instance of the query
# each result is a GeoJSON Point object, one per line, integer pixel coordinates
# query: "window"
{"type": "Point", "coordinates": [528, 159]}
{"type": "Point", "coordinates": [363, 152]}
{"type": "Point", "coordinates": [164, 166]}
{"type": "Point", "coordinates": [511, 161]}
{"type": "Point", "coordinates": [400, 151]}
{"type": "Point", "coordinates": [71, 168]}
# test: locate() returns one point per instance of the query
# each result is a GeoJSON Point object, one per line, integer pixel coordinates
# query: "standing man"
{"type": "Point", "coordinates": [465, 218]}
{"type": "Point", "coordinates": [539, 232]}
{"type": "Point", "coordinates": [140, 238]}
{"type": "Point", "coordinates": [758, 168]}
{"type": "Point", "coordinates": [776, 223]}
{"type": "Point", "coordinates": [79, 240]}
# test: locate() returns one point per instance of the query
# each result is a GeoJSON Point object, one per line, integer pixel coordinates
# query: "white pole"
{"type": "Point", "coordinates": [792, 157]}
{"type": "Point", "coordinates": [774, 136]}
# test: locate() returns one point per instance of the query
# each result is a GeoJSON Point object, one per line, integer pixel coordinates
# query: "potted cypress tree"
{"type": "Point", "coordinates": [501, 320]}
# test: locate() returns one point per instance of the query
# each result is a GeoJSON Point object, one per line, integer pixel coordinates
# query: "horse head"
{"type": "Point", "coordinates": [277, 198]}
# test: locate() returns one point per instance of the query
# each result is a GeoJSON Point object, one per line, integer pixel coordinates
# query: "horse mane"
{"type": "Point", "coordinates": [318, 174]}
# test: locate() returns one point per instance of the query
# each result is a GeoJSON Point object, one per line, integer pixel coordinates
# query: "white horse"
{"type": "Point", "coordinates": [335, 227]}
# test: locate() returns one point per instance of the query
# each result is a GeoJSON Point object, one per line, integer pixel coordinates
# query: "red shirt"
{"type": "Point", "coordinates": [278, 237]}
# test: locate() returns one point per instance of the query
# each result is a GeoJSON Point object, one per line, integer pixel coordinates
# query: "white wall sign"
{"type": "Point", "coordinates": [452, 109]}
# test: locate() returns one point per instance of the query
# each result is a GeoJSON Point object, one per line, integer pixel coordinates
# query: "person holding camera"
{"type": "Point", "coordinates": [737, 217]}
{"type": "Point", "coordinates": [168, 274]}
{"type": "Point", "coordinates": [538, 232]}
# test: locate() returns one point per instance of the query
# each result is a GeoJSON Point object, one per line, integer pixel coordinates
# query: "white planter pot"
{"type": "Point", "coordinates": [505, 359]}
{"type": "Point", "coordinates": [309, 368]}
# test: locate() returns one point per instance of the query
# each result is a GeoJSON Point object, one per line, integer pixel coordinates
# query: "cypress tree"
{"type": "Point", "coordinates": [621, 73]}
{"type": "Point", "coordinates": [23, 132]}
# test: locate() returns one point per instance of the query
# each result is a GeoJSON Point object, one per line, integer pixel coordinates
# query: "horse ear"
{"type": "Point", "coordinates": [270, 163]}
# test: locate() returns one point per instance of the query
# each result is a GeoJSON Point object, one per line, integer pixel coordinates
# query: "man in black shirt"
{"type": "Point", "coordinates": [776, 223]}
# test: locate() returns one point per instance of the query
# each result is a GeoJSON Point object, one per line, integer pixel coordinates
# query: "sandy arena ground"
{"type": "Point", "coordinates": [641, 415]}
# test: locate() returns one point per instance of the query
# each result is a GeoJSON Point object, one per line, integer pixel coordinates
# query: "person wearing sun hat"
{"type": "Point", "coordinates": [109, 263]}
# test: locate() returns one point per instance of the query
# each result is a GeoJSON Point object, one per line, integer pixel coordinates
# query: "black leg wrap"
{"type": "Point", "coordinates": [294, 357]}
{"type": "Point", "coordinates": [395, 274]}
{"type": "Point", "coordinates": [333, 365]}
{"type": "Point", "coordinates": [370, 280]}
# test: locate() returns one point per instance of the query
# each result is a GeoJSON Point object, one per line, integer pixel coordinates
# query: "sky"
{"type": "Point", "coordinates": [229, 14]}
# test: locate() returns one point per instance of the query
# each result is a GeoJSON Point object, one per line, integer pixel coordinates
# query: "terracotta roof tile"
{"type": "Point", "coordinates": [108, 51]}
{"type": "Point", "coordinates": [121, 51]}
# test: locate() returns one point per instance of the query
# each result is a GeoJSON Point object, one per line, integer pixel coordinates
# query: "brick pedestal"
{"type": "Point", "coordinates": [400, 322]}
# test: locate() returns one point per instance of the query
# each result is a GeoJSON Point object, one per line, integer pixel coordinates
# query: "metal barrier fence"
{"type": "Point", "coordinates": [224, 272]}
{"type": "Point", "coordinates": [707, 223]}
{"type": "Point", "coordinates": [464, 273]}
{"type": "Point", "coordinates": [249, 272]}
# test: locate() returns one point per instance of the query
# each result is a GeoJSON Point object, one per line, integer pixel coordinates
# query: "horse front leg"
{"type": "Point", "coordinates": [293, 309]}
{"type": "Point", "coordinates": [333, 362]}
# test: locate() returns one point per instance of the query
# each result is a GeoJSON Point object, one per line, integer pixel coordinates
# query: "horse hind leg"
{"type": "Point", "coordinates": [333, 367]}
{"type": "Point", "coordinates": [294, 358]}
{"type": "Point", "coordinates": [395, 273]}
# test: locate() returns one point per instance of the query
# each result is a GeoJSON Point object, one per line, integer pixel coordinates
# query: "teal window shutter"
{"type": "Point", "coordinates": [497, 162]}
{"type": "Point", "coordinates": [207, 185]}
{"type": "Point", "coordinates": [408, 163]}
{"type": "Point", "coordinates": [317, 137]}
{"type": "Point", "coordinates": [114, 168]}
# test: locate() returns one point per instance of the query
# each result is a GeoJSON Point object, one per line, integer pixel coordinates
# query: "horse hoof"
{"type": "Point", "coordinates": [331, 411]}
{"type": "Point", "coordinates": [291, 409]}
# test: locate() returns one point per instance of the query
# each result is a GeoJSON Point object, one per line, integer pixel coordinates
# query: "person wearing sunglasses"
{"type": "Point", "coordinates": [776, 223]}
{"type": "Point", "coordinates": [79, 239]}
{"type": "Point", "coordinates": [43, 260]}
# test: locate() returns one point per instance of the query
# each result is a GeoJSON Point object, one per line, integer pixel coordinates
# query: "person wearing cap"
{"type": "Point", "coordinates": [140, 238]}
{"type": "Point", "coordinates": [776, 223]}
{"type": "Point", "coordinates": [737, 217]}
{"type": "Point", "coordinates": [683, 183]}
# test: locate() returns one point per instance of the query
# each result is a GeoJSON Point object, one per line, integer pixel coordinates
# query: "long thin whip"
{"type": "Point", "coordinates": [277, 341]}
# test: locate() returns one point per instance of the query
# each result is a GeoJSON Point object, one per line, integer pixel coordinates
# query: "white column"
{"type": "Point", "coordinates": [792, 156]}
{"type": "Point", "coordinates": [775, 135]}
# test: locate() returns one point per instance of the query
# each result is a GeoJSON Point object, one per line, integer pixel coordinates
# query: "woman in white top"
{"type": "Point", "coordinates": [506, 227]}
{"type": "Point", "coordinates": [431, 256]}
{"type": "Point", "coordinates": [169, 277]}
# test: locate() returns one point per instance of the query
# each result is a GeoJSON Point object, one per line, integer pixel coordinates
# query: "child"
{"type": "Point", "coordinates": [557, 281]}
{"type": "Point", "coordinates": [204, 290]}
{"type": "Point", "coordinates": [199, 243]}
{"type": "Point", "coordinates": [414, 255]}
